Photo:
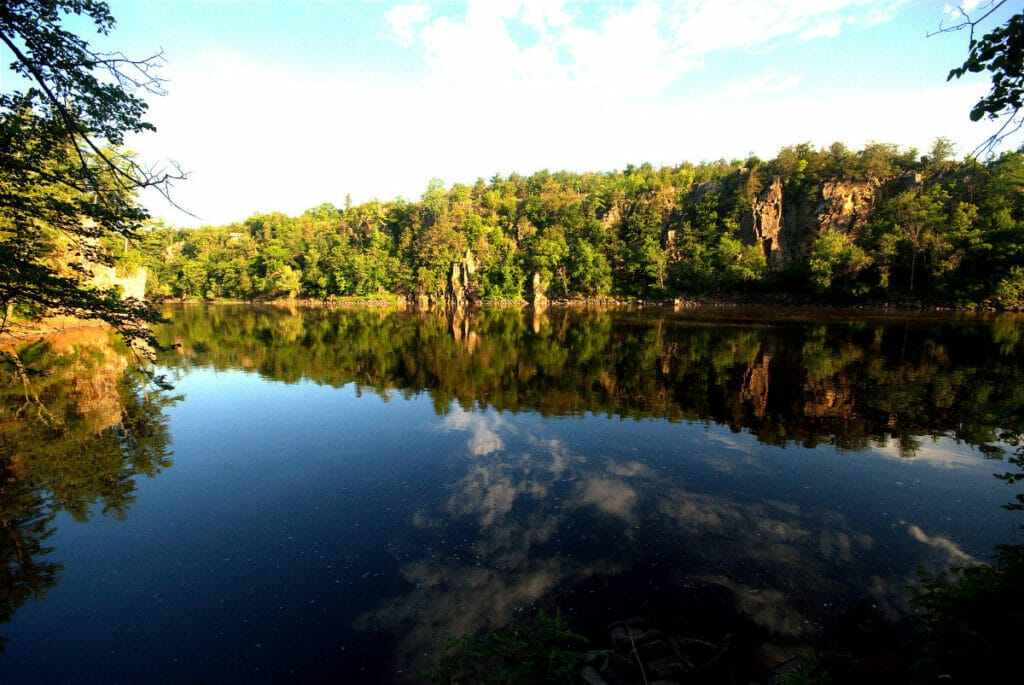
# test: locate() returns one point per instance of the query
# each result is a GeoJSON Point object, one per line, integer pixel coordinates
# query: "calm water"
{"type": "Point", "coordinates": [324, 495]}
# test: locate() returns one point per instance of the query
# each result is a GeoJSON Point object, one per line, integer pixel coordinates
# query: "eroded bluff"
{"type": "Point", "coordinates": [786, 225]}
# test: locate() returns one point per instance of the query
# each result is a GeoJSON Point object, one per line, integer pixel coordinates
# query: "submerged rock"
{"type": "Point", "coordinates": [643, 654]}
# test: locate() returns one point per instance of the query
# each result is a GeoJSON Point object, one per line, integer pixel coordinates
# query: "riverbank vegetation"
{"type": "Point", "coordinates": [67, 184]}
{"type": "Point", "coordinates": [827, 224]}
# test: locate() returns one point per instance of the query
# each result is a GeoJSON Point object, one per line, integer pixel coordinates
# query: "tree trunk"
{"type": "Point", "coordinates": [913, 265]}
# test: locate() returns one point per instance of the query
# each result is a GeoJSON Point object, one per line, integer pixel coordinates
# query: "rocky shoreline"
{"type": "Point", "coordinates": [783, 302]}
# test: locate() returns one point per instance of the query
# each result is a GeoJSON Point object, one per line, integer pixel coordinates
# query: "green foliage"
{"type": "Point", "coordinates": [1011, 288]}
{"type": "Point", "coordinates": [972, 620]}
{"type": "Point", "coordinates": [1000, 52]}
{"type": "Point", "coordinates": [835, 262]}
{"type": "Point", "coordinates": [860, 384]}
{"type": "Point", "coordinates": [809, 672]}
{"type": "Point", "coordinates": [937, 229]}
{"type": "Point", "coordinates": [539, 650]}
{"type": "Point", "coordinates": [64, 183]}
{"type": "Point", "coordinates": [918, 226]}
{"type": "Point", "coordinates": [739, 265]}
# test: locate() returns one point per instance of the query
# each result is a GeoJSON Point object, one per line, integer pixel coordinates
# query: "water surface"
{"type": "Point", "coordinates": [325, 494]}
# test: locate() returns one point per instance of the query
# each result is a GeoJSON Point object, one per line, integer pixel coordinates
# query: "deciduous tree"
{"type": "Point", "coordinates": [65, 182]}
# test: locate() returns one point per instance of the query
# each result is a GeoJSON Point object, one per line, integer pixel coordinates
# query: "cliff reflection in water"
{"type": "Point", "coordinates": [352, 485]}
{"type": "Point", "coordinates": [682, 521]}
{"type": "Point", "coordinates": [804, 380]}
{"type": "Point", "coordinates": [76, 428]}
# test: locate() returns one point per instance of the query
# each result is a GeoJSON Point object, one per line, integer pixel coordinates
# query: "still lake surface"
{"type": "Point", "coordinates": [324, 495]}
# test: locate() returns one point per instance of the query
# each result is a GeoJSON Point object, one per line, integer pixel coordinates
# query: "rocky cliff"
{"type": "Point", "coordinates": [763, 224]}
{"type": "Point", "coordinates": [460, 281]}
{"type": "Point", "coordinates": [786, 227]}
{"type": "Point", "coordinates": [133, 285]}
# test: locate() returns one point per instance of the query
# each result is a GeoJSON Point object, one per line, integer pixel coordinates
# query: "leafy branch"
{"type": "Point", "coordinates": [1001, 53]}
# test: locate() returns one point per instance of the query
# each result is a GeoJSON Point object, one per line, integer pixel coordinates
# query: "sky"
{"type": "Point", "coordinates": [282, 106]}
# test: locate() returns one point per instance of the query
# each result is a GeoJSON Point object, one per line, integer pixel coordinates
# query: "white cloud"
{"type": "Point", "coordinates": [256, 137]}
{"type": "Point", "coordinates": [943, 453]}
{"type": "Point", "coordinates": [941, 543]}
{"type": "Point", "coordinates": [483, 430]}
{"type": "Point", "coordinates": [767, 84]}
{"type": "Point", "coordinates": [826, 29]}
{"type": "Point", "coordinates": [541, 14]}
{"type": "Point", "coordinates": [961, 9]}
{"type": "Point", "coordinates": [610, 495]}
{"type": "Point", "coordinates": [260, 139]}
{"type": "Point", "coordinates": [589, 90]}
{"type": "Point", "coordinates": [632, 50]}
{"type": "Point", "coordinates": [404, 21]}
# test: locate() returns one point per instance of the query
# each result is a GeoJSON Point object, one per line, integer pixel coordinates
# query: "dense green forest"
{"type": "Point", "coordinates": [836, 224]}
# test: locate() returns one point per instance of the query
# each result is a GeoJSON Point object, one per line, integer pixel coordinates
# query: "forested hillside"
{"type": "Point", "coordinates": [834, 224]}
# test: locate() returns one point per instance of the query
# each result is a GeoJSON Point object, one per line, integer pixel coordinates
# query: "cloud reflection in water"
{"type": "Point", "coordinates": [535, 520]}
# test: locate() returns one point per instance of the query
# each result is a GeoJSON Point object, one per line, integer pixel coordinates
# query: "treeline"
{"type": "Point", "coordinates": [882, 222]}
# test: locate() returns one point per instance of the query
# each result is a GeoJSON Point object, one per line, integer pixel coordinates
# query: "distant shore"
{"type": "Point", "coordinates": [781, 302]}
{"type": "Point", "coordinates": [25, 333]}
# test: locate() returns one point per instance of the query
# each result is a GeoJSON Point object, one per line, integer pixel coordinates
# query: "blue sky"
{"type": "Point", "coordinates": [285, 105]}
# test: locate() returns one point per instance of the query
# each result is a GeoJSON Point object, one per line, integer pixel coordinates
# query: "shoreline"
{"type": "Point", "coordinates": [29, 333]}
{"type": "Point", "coordinates": [677, 304]}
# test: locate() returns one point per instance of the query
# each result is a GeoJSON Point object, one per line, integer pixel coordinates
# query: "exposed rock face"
{"type": "Point", "coordinates": [133, 285]}
{"type": "Point", "coordinates": [462, 330]}
{"type": "Point", "coordinates": [763, 224]}
{"type": "Point", "coordinates": [95, 376]}
{"type": "Point", "coordinates": [612, 218]}
{"type": "Point", "coordinates": [104, 276]}
{"type": "Point", "coordinates": [704, 188]}
{"type": "Point", "coordinates": [786, 229]}
{"type": "Point", "coordinates": [845, 207]}
{"type": "Point", "coordinates": [538, 319]}
{"type": "Point", "coordinates": [826, 398]}
{"type": "Point", "coordinates": [538, 288]}
{"type": "Point", "coordinates": [902, 183]}
{"type": "Point", "coordinates": [460, 281]}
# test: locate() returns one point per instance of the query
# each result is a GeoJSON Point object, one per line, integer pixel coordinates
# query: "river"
{"type": "Point", "coordinates": [326, 494]}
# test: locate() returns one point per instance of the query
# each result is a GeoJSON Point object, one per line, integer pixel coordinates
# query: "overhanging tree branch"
{"type": "Point", "coordinates": [65, 182]}
{"type": "Point", "coordinates": [1001, 53]}
{"type": "Point", "coordinates": [140, 179]}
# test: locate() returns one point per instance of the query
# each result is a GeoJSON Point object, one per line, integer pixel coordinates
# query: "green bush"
{"type": "Point", "coordinates": [539, 650]}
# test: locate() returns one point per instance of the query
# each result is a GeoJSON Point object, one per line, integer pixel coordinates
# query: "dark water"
{"type": "Point", "coordinates": [324, 495]}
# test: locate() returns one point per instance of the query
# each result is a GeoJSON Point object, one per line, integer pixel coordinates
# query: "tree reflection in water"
{"type": "Point", "coordinates": [77, 426]}
{"type": "Point", "coordinates": [528, 517]}
{"type": "Point", "coordinates": [802, 379]}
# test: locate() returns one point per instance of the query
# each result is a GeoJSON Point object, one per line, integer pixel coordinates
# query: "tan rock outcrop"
{"type": "Point", "coordinates": [460, 280]}
{"type": "Point", "coordinates": [845, 206]}
{"type": "Point", "coordinates": [826, 398]}
{"type": "Point", "coordinates": [538, 288]}
{"type": "Point", "coordinates": [755, 384]}
{"type": "Point", "coordinates": [132, 285]}
{"type": "Point", "coordinates": [785, 229]}
{"type": "Point", "coordinates": [763, 224]}
{"type": "Point", "coordinates": [96, 372]}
